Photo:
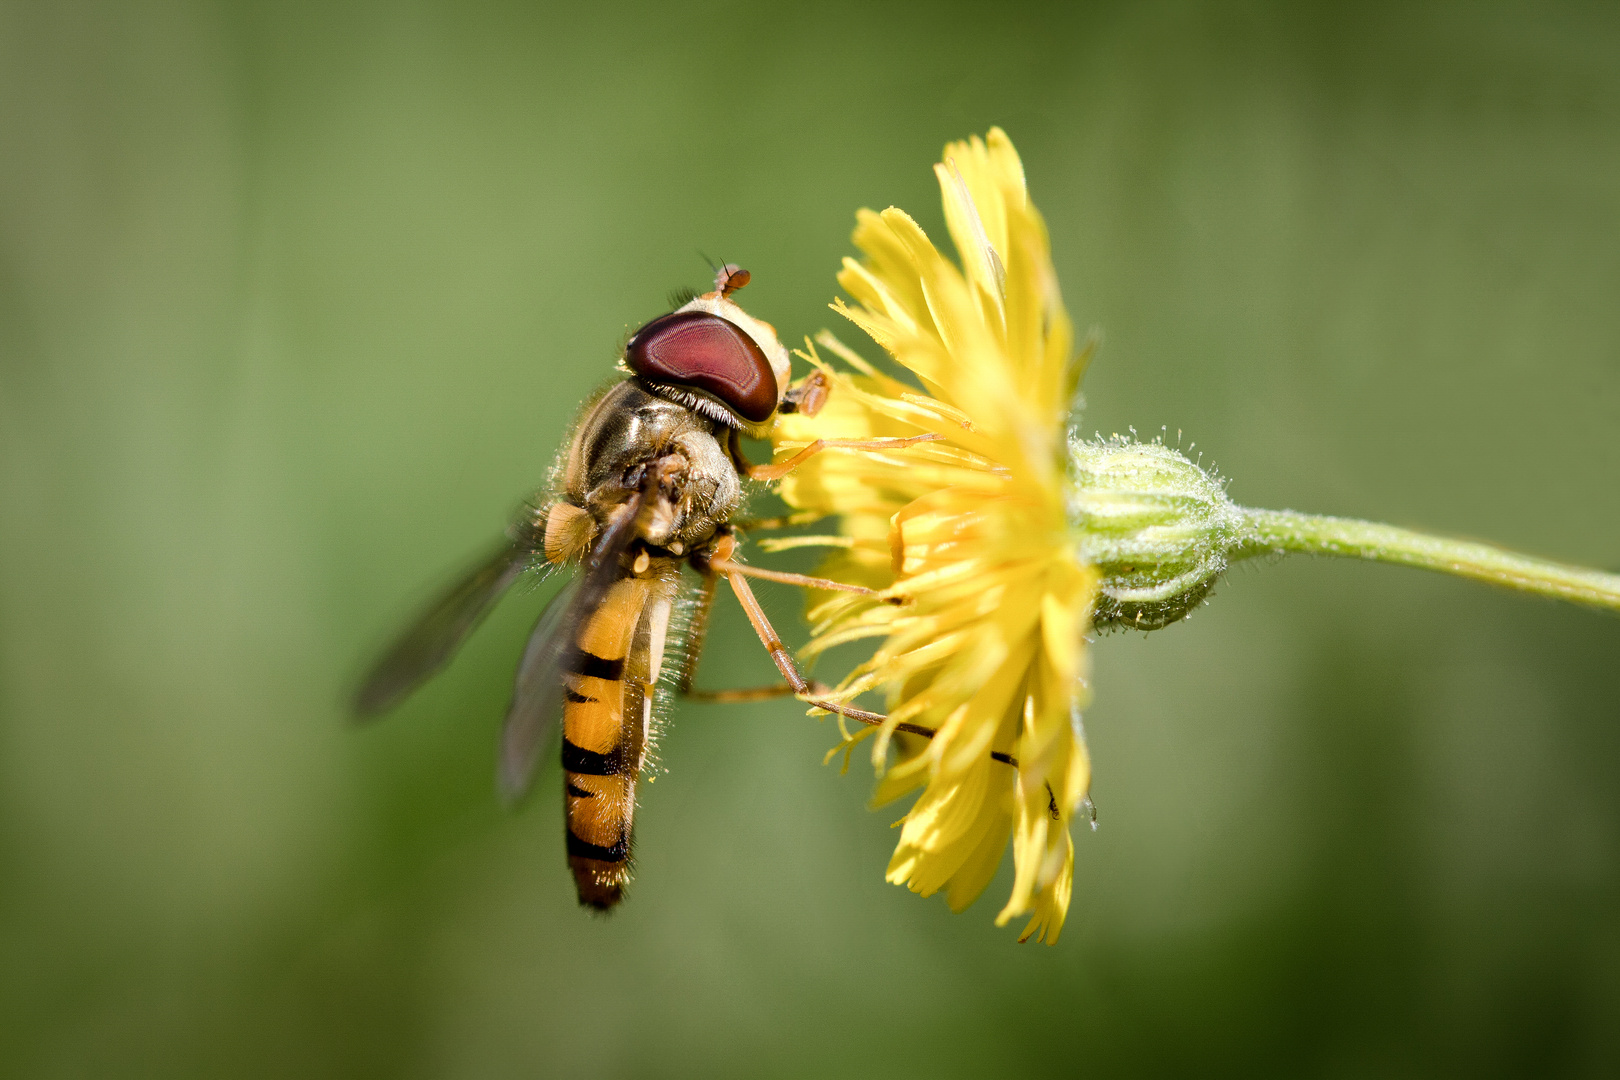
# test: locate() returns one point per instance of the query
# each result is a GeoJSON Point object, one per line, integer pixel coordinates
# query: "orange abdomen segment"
{"type": "Point", "coordinates": [604, 738]}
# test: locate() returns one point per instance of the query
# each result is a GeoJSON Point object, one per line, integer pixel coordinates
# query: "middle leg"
{"type": "Point", "coordinates": [812, 693]}
{"type": "Point", "coordinates": [696, 633]}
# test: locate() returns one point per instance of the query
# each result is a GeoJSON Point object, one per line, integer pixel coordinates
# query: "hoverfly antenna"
{"type": "Point", "coordinates": [729, 278]}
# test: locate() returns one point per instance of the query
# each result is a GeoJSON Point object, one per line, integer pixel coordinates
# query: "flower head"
{"type": "Point", "coordinates": [984, 600]}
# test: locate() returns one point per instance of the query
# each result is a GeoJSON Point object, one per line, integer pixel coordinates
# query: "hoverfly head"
{"type": "Point", "coordinates": [714, 358]}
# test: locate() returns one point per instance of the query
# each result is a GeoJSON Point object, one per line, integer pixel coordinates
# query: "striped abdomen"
{"type": "Point", "coordinates": [606, 716]}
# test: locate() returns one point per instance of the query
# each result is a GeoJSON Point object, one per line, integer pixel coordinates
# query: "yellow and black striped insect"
{"type": "Point", "coordinates": [646, 486]}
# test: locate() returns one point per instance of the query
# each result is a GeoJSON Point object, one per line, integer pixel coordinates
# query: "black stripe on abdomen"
{"type": "Point", "coordinates": [596, 667]}
{"type": "Point", "coordinates": [584, 849]}
{"type": "Point", "coordinates": [577, 759]}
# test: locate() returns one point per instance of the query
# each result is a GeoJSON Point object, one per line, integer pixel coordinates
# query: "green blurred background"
{"type": "Point", "coordinates": [296, 301]}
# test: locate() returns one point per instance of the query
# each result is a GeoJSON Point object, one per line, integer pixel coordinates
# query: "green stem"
{"type": "Point", "coordinates": [1347, 538]}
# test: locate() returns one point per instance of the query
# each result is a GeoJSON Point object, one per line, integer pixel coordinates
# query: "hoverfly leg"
{"type": "Point", "coordinates": [810, 693]}
{"type": "Point", "coordinates": [777, 470]}
{"type": "Point", "coordinates": [741, 695]}
{"type": "Point", "coordinates": [802, 687]}
{"type": "Point", "coordinates": [781, 521]}
{"type": "Point", "coordinates": [695, 635]}
{"type": "Point", "coordinates": [727, 566]}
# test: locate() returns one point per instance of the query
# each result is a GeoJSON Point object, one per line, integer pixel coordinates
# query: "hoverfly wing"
{"type": "Point", "coordinates": [434, 638]}
{"type": "Point", "coordinates": [538, 691]}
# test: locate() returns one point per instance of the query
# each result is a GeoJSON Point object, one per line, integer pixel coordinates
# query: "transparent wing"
{"type": "Point", "coordinates": [531, 720]}
{"type": "Point", "coordinates": [537, 695]}
{"type": "Point", "coordinates": [434, 638]}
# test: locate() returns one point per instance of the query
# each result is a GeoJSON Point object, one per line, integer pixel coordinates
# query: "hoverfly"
{"type": "Point", "coordinates": [646, 484]}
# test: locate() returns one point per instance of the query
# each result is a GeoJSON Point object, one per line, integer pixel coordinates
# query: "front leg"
{"type": "Point", "coordinates": [777, 470]}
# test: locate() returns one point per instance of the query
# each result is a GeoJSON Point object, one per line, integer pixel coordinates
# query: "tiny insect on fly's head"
{"type": "Point", "coordinates": [713, 357]}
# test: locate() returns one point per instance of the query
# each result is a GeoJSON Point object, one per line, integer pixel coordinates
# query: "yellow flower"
{"type": "Point", "coordinates": [985, 601]}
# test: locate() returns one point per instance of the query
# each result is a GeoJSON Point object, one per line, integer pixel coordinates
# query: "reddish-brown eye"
{"type": "Point", "coordinates": [706, 352]}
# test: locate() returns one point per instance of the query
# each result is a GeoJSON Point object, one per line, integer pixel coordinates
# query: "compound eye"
{"type": "Point", "coordinates": [706, 352]}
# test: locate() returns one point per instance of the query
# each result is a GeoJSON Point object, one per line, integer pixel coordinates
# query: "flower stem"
{"type": "Point", "coordinates": [1274, 531]}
